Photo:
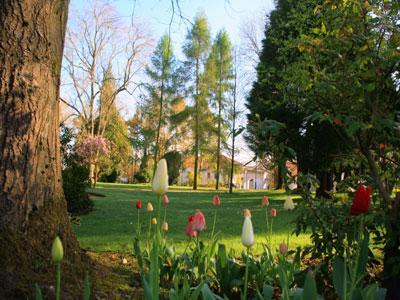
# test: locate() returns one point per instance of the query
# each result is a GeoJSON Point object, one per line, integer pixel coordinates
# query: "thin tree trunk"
{"type": "Point", "coordinates": [197, 129]}
{"type": "Point", "coordinates": [279, 179]}
{"type": "Point", "coordinates": [32, 206]}
{"type": "Point", "coordinates": [325, 179]}
{"type": "Point", "coordinates": [391, 256]}
{"type": "Point", "coordinates": [159, 124]}
{"type": "Point", "coordinates": [219, 145]}
{"type": "Point", "coordinates": [91, 174]}
{"type": "Point", "coordinates": [233, 134]}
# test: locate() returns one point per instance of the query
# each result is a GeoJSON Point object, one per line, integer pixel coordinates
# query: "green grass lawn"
{"type": "Point", "coordinates": [111, 226]}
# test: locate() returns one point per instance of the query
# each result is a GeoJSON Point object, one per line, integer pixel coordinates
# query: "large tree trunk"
{"type": "Point", "coordinates": [32, 206]}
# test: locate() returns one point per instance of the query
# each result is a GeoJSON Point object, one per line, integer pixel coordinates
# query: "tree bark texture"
{"type": "Point", "coordinates": [32, 204]}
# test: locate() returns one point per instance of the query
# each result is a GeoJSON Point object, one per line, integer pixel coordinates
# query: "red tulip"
{"type": "Point", "coordinates": [265, 201]}
{"type": "Point", "coordinates": [216, 200]}
{"type": "Point", "coordinates": [361, 200]}
{"type": "Point", "coordinates": [165, 200]}
{"type": "Point", "coordinates": [138, 204]}
{"type": "Point", "coordinates": [190, 232]}
{"type": "Point", "coordinates": [199, 221]}
{"type": "Point", "coordinates": [273, 212]}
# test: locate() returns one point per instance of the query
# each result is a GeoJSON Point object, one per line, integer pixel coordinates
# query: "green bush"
{"type": "Point", "coordinates": [142, 177]}
{"type": "Point", "coordinates": [110, 177]}
{"type": "Point", "coordinates": [74, 184]}
{"type": "Point", "coordinates": [74, 175]}
{"type": "Point", "coordinates": [174, 162]}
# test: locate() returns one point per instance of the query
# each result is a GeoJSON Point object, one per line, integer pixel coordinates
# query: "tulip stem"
{"type": "Point", "coordinates": [159, 219]}
{"type": "Point", "coordinates": [244, 297]}
{"type": "Point", "coordinates": [149, 234]}
{"type": "Point", "coordinates": [58, 283]}
{"type": "Point", "coordinates": [268, 228]}
{"type": "Point", "coordinates": [215, 219]}
{"type": "Point", "coordinates": [165, 213]}
{"type": "Point", "coordinates": [138, 223]}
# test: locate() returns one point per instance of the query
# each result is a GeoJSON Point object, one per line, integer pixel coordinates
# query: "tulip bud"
{"type": "Point", "coordinates": [190, 232]}
{"type": "Point", "coordinates": [150, 207]}
{"type": "Point", "coordinates": [165, 200]}
{"type": "Point", "coordinates": [165, 226]}
{"type": "Point", "coordinates": [154, 221]}
{"type": "Point", "coordinates": [216, 200]}
{"type": "Point", "coordinates": [265, 201]}
{"type": "Point", "coordinates": [247, 232]}
{"type": "Point", "coordinates": [288, 205]}
{"type": "Point", "coordinates": [124, 261]}
{"type": "Point", "coordinates": [283, 248]}
{"type": "Point", "coordinates": [246, 213]}
{"type": "Point", "coordinates": [273, 212]}
{"type": "Point", "coordinates": [139, 204]}
{"type": "Point", "coordinates": [160, 179]}
{"type": "Point", "coordinates": [57, 251]}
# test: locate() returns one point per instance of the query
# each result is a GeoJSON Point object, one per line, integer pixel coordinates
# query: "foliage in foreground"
{"type": "Point", "coordinates": [205, 270]}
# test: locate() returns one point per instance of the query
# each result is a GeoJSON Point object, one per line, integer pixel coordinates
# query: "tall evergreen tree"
{"type": "Point", "coordinates": [220, 74]}
{"type": "Point", "coordinates": [277, 124]}
{"type": "Point", "coordinates": [162, 88]}
{"type": "Point", "coordinates": [196, 49]}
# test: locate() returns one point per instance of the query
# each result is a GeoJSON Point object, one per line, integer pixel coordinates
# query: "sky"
{"type": "Point", "coordinates": [155, 15]}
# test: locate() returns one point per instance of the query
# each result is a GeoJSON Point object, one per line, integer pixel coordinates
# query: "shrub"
{"type": "Point", "coordinates": [74, 185]}
{"type": "Point", "coordinates": [174, 162]}
{"type": "Point", "coordinates": [110, 177]}
{"type": "Point", "coordinates": [74, 175]}
{"type": "Point", "coordinates": [142, 176]}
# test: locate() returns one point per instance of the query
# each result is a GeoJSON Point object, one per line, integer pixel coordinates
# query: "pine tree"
{"type": "Point", "coordinates": [162, 89]}
{"type": "Point", "coordinates": [220, 75]}
{"type": "Point", "coordinates": [196, 50]}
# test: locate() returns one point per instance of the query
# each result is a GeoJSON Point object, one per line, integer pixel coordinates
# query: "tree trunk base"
{"type": "Point", "coordinates": [391, 260]}
{"type": "Point", "coordinates": [25, 257]}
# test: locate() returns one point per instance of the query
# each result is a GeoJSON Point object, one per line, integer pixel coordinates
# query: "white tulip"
{"type": "Point", "coordinates": [288, 205]}
{"type": "Point", "coordinates": [247, 232]}
{"type": "Point", "coordinates": [160, 179]}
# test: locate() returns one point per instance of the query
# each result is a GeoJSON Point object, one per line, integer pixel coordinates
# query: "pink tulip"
{"type": "Point", "coordinates": [165, 226]}
{"type": "Point", "coordinates": [199, 221]}
{"type": "Point", "coordinates": [190, 232]}
{"type": "Point", "coordinates": [273, 212]}
{"type": "Point", "coordinates": [216, 200]}
{"type": "Point", "coordinates": [165, 200]}
{"type": "Point", "coordinates": [283, 248]}
{"type": "Point", "coordinates": [265, 201]}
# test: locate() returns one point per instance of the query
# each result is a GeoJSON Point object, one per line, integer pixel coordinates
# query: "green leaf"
{"type": "Point", "coordinates": [380, 294]}
{"type": "Point", "coordinates": [208, 294]}
{"type": "Point", "coordinates": [196, 291]}
{"type": "Point", "coordinates": [340, 277]}
{"type": "Point", "coordinates": [268, 291]}
{"type": "Point", "coordinates": [368, 293]}
{"type": "Point", "coordinates": [154, 273]}
{"type": "Point", "coordinates": [86, 287]}
{"type": "Point", "coordinates": [362, 257]}
{"type": "Point", "coordinates": [370, 87]}
{"type": "Point", "coordinates": [38, 292]}
{"type": "Point", "coordinates": [310, 289]}
{"type": "Point", "coordinates": [323, 28]}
